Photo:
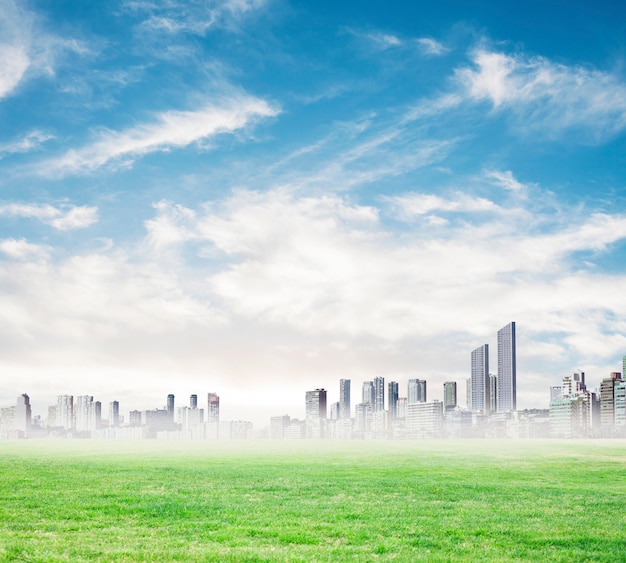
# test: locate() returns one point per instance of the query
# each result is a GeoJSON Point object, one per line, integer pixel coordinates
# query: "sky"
{"type": "Point", "coordinates": [260, 197]}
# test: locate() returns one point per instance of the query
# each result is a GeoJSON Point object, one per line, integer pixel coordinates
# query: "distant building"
{"type": "Point", "coordinates": [362, 419]}
{"type": "Point", "coordinates": [416, 391]}
{"type": "Point", "coordinates": [401, 412]}
{"type": "Point", "coordinates": [114, 414]}
{"type": "Point", "coordinates": [424, 420]}
{"type": "Point", "coordinates": [213, 412]}
{"type": "Point", "coordinates": [170, 406]}
{"type": "Point", "coordinates": [344, 398]}
{"type": "Point", "coordinates": [480, 379]}
{"type": "Point", "coordinates": [493, 394]}
{"type": "Point", "coordinates": [607, 399]}
{"type": "Point", "coordinates": [507, 369]}
{"type": "Point", "coordinates": [23, 415]}
{"type": "Point", "coordinates": [278, 425]}
{"type": "Point", "coordinates": [368, 394]}
{"type": "Point", "coordinates": [379, 394]}
{"type": "Point", "coordinates": [65, 412]}
{"type": "Point", "coordinates": [392, 398]}
{"type": "Point", "coordinates": [193, 401]}
{"type": "Point", "coordinates": [315, 413]}
{"type": "Point", "coordinates": [449, 395]}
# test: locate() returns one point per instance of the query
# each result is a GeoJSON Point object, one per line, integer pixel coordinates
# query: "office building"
{"type": "Point", "coordinates": [315, 413]}
{"type": "Point", "coordinates": [480, 380]}
{"type": "Point", "coordinates": [379, 394]}
{"type": "Point", "coordinates": [193, 401]}
{"type": "Point", "coordinates": [493, 390]}
{"type": "Point", "coordinates": [213, 412]}
{"type": "Point", "coordinates": [84, 414]}
{"type": "Point", "coordinates": [65, 411]}
{"type": "Point", "coordinates": [392, 398]}
{"type": "Point", "coordinates": [507, 369]}
{"type": "Point", "coordinates": [449, 395]}
{"type": "Point", "coordinates": [114, 414]}
{"type": "Point", "coordinates": [416, 391]}
{"type": "Point", "coordinates": [368, 395]}
{"type": "Point", "coordinates": [170, 406]}
{"type": "Point", "coordinates": [23, 415]}
{"type": "Point", "coordinates": [607, 399]}
{"type": "Point", "coordinates": [344, 398]}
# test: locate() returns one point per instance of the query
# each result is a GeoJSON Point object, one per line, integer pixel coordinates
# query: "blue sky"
{"type": "Point", "coordinates": [261, 197]}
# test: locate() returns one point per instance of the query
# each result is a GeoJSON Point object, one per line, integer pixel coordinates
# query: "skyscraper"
{"type": "Point", "coordinates": [193, 401]}
{"type": "Point", "coordinates": [23, 416]}
{"type": "Point", "coordinates": [315, 413]}
{"type": "Point", "coordinates": [480, 379]}
{"type": "Point", "coordinates": [344, 398]}
{"type": "Point", "coordinates": [65, 411]}
{"type": "Point", "coordinates": [114, 413]}
{"type": "Point", "coordinates": [85, 413]}
{"type": "Point", "coordinates": [449, 395]}
{"type": "Point", "coordinates": [392, 398]}
{"type": "Point", "coordinates": [379, 394]}
{"type": "Point", "coordinates": [170, 407]}
{"type": "Point", "coordinates": [368, 393]}
{"type": "Point", "coordinates": [213, 410]}
{"type": "Point", "coordinates": [416, 391]}
{"type": "Point", "coordinates": [507, 369]}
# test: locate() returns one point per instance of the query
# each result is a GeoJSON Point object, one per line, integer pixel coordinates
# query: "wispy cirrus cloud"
{"type": "Point", "coordinates": [31, 141]}
{"type": "Point", "coordinates": [547, 97]}
{"type": "Point", "coordinates": [191, 16]}
{"type": "Point", "coordinates": [430, 46]}
{"type": "Point", "coordinates": [62, 218]}
{"type": "Point", "coordinates": [169, 130]}
{"type": "Point", "coordinates": [26, 48]}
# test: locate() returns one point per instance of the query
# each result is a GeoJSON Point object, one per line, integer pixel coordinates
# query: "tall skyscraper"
{"type": "Point", "coordinates": [85, 413]}
{"type": "Point", "coordinates": [368, 394]}
{"type": "Point", "coordinates": [493, 393]}
{"type": "Point", "coordinates": [23, 415]}
{"type": "Point", "coordinates": [344, 398]}
{"type": "Point", "coordinates": [213, 411]}
{"type": "Point", "coordinates": [392, 398]}
{"type": "Point", "coordinates": [416, 391]}
{"type": "Point", "coordinates": [607, 398]}
{"type": "Point", "coordinates": [315, 413]}
{"type": "Point", "coordinates": [480, 379]}
{"type": "Point", "coordinates": [379, 394]}
{"type": "Point", "coordinates": [65, 411]}
{"type": "Point", "coordinates": [193, 401]}
{"type": "Point", "coordinates": [114, 413]}
{"type": "Point", "coordinates": [507, 369]}
{"type": "Point", "coordinates": [449, 395]}
{"type": "Point", "coordinates": [170, 407]}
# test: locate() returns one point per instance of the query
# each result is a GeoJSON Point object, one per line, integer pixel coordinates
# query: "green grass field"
{"type": "Point", "coordinates": [319, 501]}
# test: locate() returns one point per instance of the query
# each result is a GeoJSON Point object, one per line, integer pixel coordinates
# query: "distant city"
{"type": "Point", "coordinates": [491, 411]}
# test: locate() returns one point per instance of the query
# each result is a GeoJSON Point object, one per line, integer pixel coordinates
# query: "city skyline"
{"type": "Point", "coordinates": [200, 195]}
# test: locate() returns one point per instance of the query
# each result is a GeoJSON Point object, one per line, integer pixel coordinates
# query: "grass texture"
{"type": "Point", "coordinates": [313, 501]}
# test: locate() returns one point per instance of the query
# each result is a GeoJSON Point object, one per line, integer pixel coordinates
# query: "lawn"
{"type": "Point", "coordinates": [313, 501]}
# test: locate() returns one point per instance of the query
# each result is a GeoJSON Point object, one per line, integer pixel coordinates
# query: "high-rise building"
{"type": "Point", "coordinates": [344, 398]}
{"type": "Point", "coordinates": [607, 399]}
{"type": "Point", "coordinates": [170, 406]}
{"type": "Point", "coordinates": [84, 414]}
{"type": "Point", "coordinates": [416, 391]}
{"type": "Point", "coordinates": [213, 411]}
{"type": "Point", "coordinates": [401, 412]}
{"type": "Point", "coordinates": [449, 395]}
{"type": "Point", "coordinates": [392, 398]}
{"type": "Point", "coordinates": [65, 411]}
{"type": "Point", "coordinates": [362, 419]}
{"type": "Point", "coordinates": [493, 393]}
{"type": "Point", "coordinates": [368, 393]}
{"type": "Point", "coordinates": [507, 369]}
{"type": "Point", "coordinates": [193, 401]}
{"type": "Point", "coordinates": [315, 413]}
{"type": "Point", "coordinates": [619, 411]}
{"type": "Point", "coordinates": [480, 379]}
{"type": "Point", "coordinates": [114, 413]}
{"type": "Point", "coordinates": [379, 394]}
{"type": "Point", "coordinates": [23, 415]}
{"type": "Point", "coordinates": [334, 411]}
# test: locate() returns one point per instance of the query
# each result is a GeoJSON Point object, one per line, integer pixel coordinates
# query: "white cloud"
{"type": "Point", "coordinates": [506, 180]}
{"type": "Point", "coordinates": [169, 130]}
{"type": "Point", "coordinates": [408, 206]}
{"type": "Point", "coordinates": [30, 141]}
{"type": "Point", "coordinates": [65, 218]}
{"type": "Point", "coordinates": [26, 49]}
{"type": "Point", "coordinates": [23, 250]}
{"type": "Point", "coordinates": [548, 97]}
{"type": "Point", "coordinates": [192, 16]}
{"type": "Point", "coordinates": [430, 46]}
